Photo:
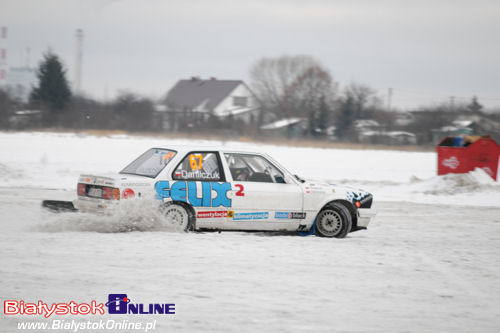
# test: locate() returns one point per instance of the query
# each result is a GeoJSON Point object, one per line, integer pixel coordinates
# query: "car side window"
{"type": "Point", "coordinates": [253, 168]}
{"type": "Point", "coordinates": [200, 166]}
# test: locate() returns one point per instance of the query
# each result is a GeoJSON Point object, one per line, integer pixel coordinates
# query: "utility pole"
{"type": "Point", "coordinates": [77, 84]}
{"type": "Point", "coordinates": [3, 56]}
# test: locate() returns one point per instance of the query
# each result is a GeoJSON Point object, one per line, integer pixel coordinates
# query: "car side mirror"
{"type": "Point", "coordinates": [288, 179]}
{"type": "Point", "coordinates": [299, 179]}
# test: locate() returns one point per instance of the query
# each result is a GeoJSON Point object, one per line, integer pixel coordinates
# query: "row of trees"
{"type": "Point", "coordinates": [287, 86]}
{"type": "Point", "coordinates": [300, 86]}
{"type": "Point", "coordinates": [59, 107]}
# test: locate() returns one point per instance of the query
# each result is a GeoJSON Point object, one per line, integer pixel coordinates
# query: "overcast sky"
{"type": "Point", "coordinates": [426, 50]}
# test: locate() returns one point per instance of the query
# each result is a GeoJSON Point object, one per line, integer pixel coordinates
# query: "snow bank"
{"type": "Point", "coordinates": [474, 181]}
{"type": "Point", "coordinates": [474, 188]}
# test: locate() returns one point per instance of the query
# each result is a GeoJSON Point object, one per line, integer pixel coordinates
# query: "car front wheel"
{"type": "Point", "coordinates": [333, 221]}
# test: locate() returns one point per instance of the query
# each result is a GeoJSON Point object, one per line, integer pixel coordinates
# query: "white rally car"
{"type": "Point", "coordinates": [224, 189]}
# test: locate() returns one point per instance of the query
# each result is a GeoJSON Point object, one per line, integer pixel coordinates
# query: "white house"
{"type": "Point", "coordinates": [199, 99]}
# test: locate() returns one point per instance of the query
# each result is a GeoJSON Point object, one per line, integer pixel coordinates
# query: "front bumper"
{"type": "Point", "coordinates": [365, 215]}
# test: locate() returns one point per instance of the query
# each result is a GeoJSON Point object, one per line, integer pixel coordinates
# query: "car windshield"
{"type": "Point", "coordinates": [253, 168]}
{"type": "Point", "coordinates": [150, 164]}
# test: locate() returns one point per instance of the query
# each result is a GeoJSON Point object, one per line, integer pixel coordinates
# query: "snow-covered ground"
{"type": "Point", "coordinates": [45, 160]}
{"type": "Point", "coordinates": [428, 263]}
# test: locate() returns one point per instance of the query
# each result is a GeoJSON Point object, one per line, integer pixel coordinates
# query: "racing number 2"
{"type": "Point", "coordinates": [194, 163]}
{"type": "Point", "coordinates": [240, 192]}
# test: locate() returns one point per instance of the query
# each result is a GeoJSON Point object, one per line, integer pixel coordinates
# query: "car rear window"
{"type": "Point", "coordinates": [150, 164]}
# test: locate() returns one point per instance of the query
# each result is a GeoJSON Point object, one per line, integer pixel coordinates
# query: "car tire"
{"type": "Point", "coordinates": [333, 221]}
{"type": "Point", "coordinates": [178, 216]}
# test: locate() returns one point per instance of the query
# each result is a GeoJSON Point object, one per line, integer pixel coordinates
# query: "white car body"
{"type": "Point", "coordinates": [227, 203]}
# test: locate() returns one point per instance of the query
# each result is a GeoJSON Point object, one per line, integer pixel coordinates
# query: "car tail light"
{"type": "Point", "coordinates": [110, 193]}
{"type": "Point", "coordinates": [81, 189]}
{"type": "Point", "coordinates": [103, 192]}
{"type": "Point", "coordinates": [116, 193]}
{"type": "Point", "coordinates": [106, 192]}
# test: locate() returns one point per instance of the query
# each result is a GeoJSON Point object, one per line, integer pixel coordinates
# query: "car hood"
{"type": "Point", "coordinates": [350, 194]}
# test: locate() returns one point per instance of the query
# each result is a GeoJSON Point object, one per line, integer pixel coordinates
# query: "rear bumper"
{"type": "Point", "coordinates": [365, 215]}
{"type": "Point", "coordinates": [86, 204]}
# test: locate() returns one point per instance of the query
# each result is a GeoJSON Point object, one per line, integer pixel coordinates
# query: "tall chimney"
{"type": "Point", "coordinates": [3, 56]}
{"type": "Point", "coordinates": [77, 84]}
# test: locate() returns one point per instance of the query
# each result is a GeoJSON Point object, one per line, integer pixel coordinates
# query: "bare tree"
{"type": "Point", "coordinates": [358, 101]}
{"type": "Point", "coordinates": [89, 113]}
{"type": "Point", "coordinates": [293, 86]}
{"type": "Point", "coordinates": [133, 112]}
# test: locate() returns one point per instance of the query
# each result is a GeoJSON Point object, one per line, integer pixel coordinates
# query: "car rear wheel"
{"type": "Point", "coordinates": [177, 216]}
{"type": "Point", "coordinates": [333, 221]}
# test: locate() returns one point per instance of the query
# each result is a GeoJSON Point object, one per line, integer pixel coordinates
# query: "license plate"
{"type": "Point", "coordinates": [95, 192]}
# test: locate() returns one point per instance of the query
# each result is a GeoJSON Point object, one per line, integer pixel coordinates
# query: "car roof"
{"type": "Point", "coordinates": [221, 148]}
{"type": "Point", "coordinates": [183, 149]}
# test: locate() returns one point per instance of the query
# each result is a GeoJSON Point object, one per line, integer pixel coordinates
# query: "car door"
{"type": "Point", "coordinates": [261, 197]}
{"type": "Point", "coordinates": [199, 180]}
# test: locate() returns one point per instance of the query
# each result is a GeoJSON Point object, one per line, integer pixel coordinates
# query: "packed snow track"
{"type": "Point", "coordinates": [419, 268]}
